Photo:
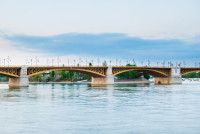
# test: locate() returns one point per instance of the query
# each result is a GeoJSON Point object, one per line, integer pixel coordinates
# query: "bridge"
{"type": "Point", "coordinates": [19, 75]}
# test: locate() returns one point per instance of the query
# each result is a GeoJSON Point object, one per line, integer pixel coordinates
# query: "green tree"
{"type": "Point", "coordinates": [36, 77]}
{"type": "Point", "coordinates": [52, 75]}
{"type": "Point", "coordinates": [63, 75]}
{"type": "Point", "coordinates": [129, 74]}
{"type": "Point", "coordinates": [70, 76]}
{"type": "Point", "coordinates": [146, 76]}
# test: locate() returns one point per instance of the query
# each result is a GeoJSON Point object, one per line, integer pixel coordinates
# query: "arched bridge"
{"type": "Point", "coordinates": [94, 71]}
{"type": "Point", "coordinates": [99, 74]}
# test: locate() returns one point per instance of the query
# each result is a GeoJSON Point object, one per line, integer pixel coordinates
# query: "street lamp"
{"type": "Point", "coordinates": [52, 62]}
{"type": "Point", "coordinates": [74, 62]}
{"type": "Point", "coordinates": [148, 62]}
{"type": "Point", "coordinates": [142, 63]}
{"type": "Point", "coordinates": [98, 60]}
{"type": "Point", "coordinates": [27, 61]}
{"type": "Point", "coordinates": [184, 63]}
{"type": "Point", "coordinates": [92, 62]}
{"type": "Point", "coordinates": [36, 60]}
{"type": "Point", "coordinates": [86, 62]}
{"type": "Point", "coordinates": [58, 60]}
{"type": "Point", "coordinates": [31, 62]}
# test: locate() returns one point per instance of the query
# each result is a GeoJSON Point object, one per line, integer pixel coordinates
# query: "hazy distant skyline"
{"type": "Point", "coordinates": [126, 29]}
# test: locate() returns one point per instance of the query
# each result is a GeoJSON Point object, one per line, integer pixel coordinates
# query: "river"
{"type": "Point", "coordinates": [117, 109]}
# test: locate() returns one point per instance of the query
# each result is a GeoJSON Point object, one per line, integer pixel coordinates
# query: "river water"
{"type": "Point", "coordinates": [83, 109]}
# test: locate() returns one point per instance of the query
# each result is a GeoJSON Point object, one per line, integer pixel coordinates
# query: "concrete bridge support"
{"type": "Point", "coordinates": [174, 77]}
{"type": "Point", "coordinates": [22, 81]}
{"type": "Point", "coordinates": [109, 80]}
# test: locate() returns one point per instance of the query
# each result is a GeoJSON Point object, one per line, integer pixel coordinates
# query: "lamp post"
{"type": "Point", "coordinates": [47, 62]}
{"type": "Point", "coordinates": [92, 62]}
{"type": "Point", "coordinates": [58, 60]}
{"type": "Point", "coordinates": [164, 63]}
{"type": "Point", "coordinates": [31, 62]}
{"type": "Point", "coordinates": [27, 61]}
{"type": "Point", "coordinates": [36, 60]}
{"type": "Point", "coordinates": [74, 62]}
{"type": "Point", "coordinates": [148, 62]}
{"type": "Point", "coordinates": [98, 60]}
{"type": "Point", "coordinates": [157, 64]}
{"type": "Point", "coordinates": [116, 62]}
{"type": "Point", "coordinates": [4, 60]}
{"type": "Point", "coordinates": [86, 62]}
{"type": "Point", "coordinates": [52, 62]}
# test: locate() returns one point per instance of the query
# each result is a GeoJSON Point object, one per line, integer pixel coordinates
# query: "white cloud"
{"type": "Point", "coordinates": [17, 57]}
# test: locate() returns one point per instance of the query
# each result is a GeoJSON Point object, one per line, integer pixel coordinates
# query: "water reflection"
{"type": "Point", "coordinates": [120, 108]}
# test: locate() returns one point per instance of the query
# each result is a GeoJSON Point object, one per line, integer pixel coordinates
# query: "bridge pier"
{"type": "Point", "coordinates": [173, 78]}
{"type": "Point", "coordinates": [108, 80]}
{"type": "Point", "coordinates": [22, 81]}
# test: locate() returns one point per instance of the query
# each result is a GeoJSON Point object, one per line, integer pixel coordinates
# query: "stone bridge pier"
{"type": "Point", "coordinates": [22, 81]}
{"type": "Point", "coordinates": [108, 80]}
{"type": "Point", "coordinates": [173, 78]}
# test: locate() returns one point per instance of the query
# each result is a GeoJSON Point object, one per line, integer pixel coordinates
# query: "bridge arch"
{"type": "Point", "coordinates": [189, 71]}
{"type": "Point", "coordinates": [9, 72]}
{"type": "Point", "coordinates": [153, 72]}
{"type": "Point", "coordinates": [91, 71]}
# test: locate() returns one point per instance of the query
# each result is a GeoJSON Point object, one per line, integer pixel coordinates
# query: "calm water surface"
{"type": "Point", "coordinates": [118, 109]}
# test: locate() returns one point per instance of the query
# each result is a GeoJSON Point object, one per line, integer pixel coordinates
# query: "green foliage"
{"type": "Point", "coordinates": [63, 75]}
{"type": "Point", "coordinates": [70, 76]}
{"type": "Point", "coordinates": [192, 75]}
{"type": "Point", "coordinates": [146, 76]}
{"type": "Point", "coordinates": [129, 74]}
{"type": "Point", "coordinates": [3, 78]}
{"type": "Point", "coordinates": [36, 77]}
{"type": "Point", "coordinates": [90, 64]}
{"type": "Point", "coordinates": [52, 75]}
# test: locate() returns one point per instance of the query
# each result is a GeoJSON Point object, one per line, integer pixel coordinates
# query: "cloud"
{"type": "Point", "coordinates": [108, 45]}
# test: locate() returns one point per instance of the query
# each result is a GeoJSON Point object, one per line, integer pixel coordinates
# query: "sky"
{"type": "Point", "coordinates": [116, 30]}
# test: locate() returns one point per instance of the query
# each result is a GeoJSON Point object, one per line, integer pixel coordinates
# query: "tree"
{"type": "Point", "coordinates": [146, 76]}
{"type": "Point", "coordinates": [63, 75]}
{"type": "Point", "coordinates": [52, 75]}
{"type": "Point", "coordinates": [129, 74]}
{"type": "Point", "coordinates": [70, 76]}
{"type": "Point", "coordinates": [90, 64]}
{"type": "Point", "coordinates": [36, 77]}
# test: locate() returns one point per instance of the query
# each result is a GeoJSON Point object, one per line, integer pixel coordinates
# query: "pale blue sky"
{"type": "Point", "coordinates": [164, 29]}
